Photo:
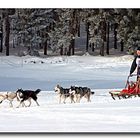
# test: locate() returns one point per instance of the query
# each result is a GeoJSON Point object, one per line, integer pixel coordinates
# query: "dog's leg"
{"type": "Point", "coordinates": [79, 98]}
{"type": "Point", "coordinates": [88, 98]}
{"type": "Point", "coordinates": [19, 105]}
{"type": "Point", "coordinates": [11, 105]}
{"type": "Point", "coordinates": [37, 103]}
{"type": "Point", "coordinates": [64, 99]}
{"type": "Point", "coordinates": [10, 102]}
{"type": "Point", "coordinates": [76, 98]}
{"type": "Point", "coordinates": [21, 102]}
{"type": "Point", "coordinates": [34, 97]}
{"type": "Point", "coordinates": [72, 98]}
{"type": "Point", "coordinates": [29, 102]}
{"type": "Point", "coordinates": [60, 99]}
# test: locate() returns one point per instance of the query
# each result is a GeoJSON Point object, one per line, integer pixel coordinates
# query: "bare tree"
{"type": "Point", "coordinates": [115, 35]}
{"type": "Point", "coordinates": [107, 45]}
{"type": "Point", "coordinates": [1, 39]}
{"type": "Point", "coordinates": [7, 33]}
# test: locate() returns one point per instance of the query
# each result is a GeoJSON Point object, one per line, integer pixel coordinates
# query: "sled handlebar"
{"type": "Point", "coordinates": [129, 77]}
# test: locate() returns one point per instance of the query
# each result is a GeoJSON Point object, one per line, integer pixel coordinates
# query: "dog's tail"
{"type": "Point", "coordinates": [91, 92]}
{"type": "Point", "coordinates": [37, 91]}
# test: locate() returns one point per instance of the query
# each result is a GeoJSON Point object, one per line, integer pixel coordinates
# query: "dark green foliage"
{"type": "Point", "coordinates": [56, 29]}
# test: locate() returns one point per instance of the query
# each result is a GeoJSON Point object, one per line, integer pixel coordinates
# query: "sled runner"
{"type": "Point", "coordinates": [131, 89]}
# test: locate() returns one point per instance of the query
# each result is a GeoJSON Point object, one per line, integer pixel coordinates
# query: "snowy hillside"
{"type": "Point", "coordinates": [101, 74]}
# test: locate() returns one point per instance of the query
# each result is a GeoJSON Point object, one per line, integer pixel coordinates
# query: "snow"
{"type": "Point", "coordinates": [101, 74]}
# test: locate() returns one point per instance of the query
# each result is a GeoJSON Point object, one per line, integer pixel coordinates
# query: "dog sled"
{"type": "Point", "coordinates": [131, 89]}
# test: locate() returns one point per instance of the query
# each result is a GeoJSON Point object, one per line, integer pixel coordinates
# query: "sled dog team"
{"type": "Point", "coordinates": [74, 93]}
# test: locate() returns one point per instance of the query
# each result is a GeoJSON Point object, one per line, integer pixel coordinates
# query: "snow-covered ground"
{"type": "Point", "coordinates": [101, 74]}
{"type": "Point", "coordinates": [95, 72]}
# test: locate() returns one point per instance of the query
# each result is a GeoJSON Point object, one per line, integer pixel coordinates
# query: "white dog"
{"type": "Point", "coordinates": [10, 96]}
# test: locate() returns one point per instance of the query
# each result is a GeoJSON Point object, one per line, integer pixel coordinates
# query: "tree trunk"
{"type": "Point", "coordinates": [45, 48]}
{"type": "Point", "coordinates": [65, 51]}
{"type": "Point", "coordinates": [77, 19]}
{"type": "Point", "coordinates": [73, 46]}
{"type": "Point", "coordinates": [87, 42]}
{"type": "Point", "coordinates": [115, 35]}
{"type": "Point", "coordinates": [102, 50]}
{"type": "Point", "coordinates": [69, 51]}
{"type": "Point", "coordinates": [103, 36]}
{"type": "Point", "coordinates": [92, 45]}
{"type": "Point", "coordinates": [78, 29]}
{"type": "Point", "coordinates": [13, 43]}
{"type": "Point", "coordinates": [1, 43]}
{"type": "Point", "coordinates": [107, 47]}
{"type": "Point", "coordinates": [7, 34]}
{"type": "Point", "coordinates": [104, 30]}
{"type": "Point", "coordinates": [122, 46]}
{"type": "Point", "coordinates": [61, 50]}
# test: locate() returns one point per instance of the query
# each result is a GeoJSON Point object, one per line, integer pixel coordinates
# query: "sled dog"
{"type": "Point", "coordinates": [63, 93]}
{"type": "Point", "coordinates": [80, 92]}
{"type": "Point", "coordinates": [24, 95]}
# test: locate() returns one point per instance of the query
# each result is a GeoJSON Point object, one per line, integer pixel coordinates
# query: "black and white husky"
{"type": "Point", "coordinates": [80, 92]}
{"type": "Point", "coordinates": [24, 95]}
{"type": "Point", "coordinates": [64, 94]}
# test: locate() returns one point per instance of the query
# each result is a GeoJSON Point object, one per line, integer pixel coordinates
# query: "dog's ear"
{"type": "Point", "coordinates": [19, 89]}
{"type": "Point", "coordinates": [57, 85]}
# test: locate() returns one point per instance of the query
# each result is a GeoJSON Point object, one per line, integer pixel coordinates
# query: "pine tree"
{"type": "Point", "coordinates": [56, 29]}
{"type": "Point", "coordinates": [1, 35]}
{"type": "Point", "coordinates": [62, 37]}
{"type": "Point", "coordinates": [31, 27]}
{"type": "Point", "coordinates": [5, 13]}
{"type": "Point", "coordinates": [129, 28]}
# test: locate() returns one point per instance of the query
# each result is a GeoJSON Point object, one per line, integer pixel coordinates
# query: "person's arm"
{"type": "Point", "coordinates": [133, 66]}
